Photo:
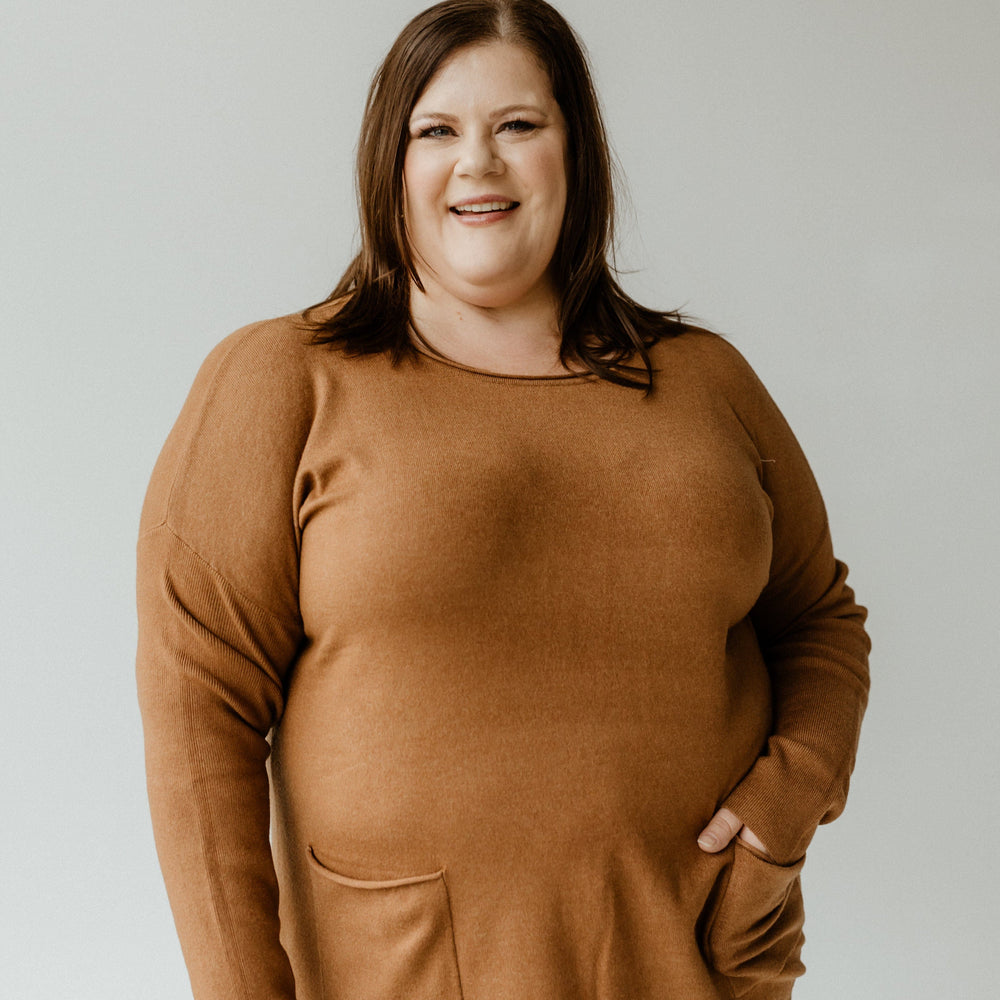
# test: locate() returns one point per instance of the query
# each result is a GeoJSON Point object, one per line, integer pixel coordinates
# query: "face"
{"type": "Point", "coordinates": [484, 178]}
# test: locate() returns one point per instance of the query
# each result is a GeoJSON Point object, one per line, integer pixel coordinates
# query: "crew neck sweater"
{"type": "Point", "coordinates": [442, 672]}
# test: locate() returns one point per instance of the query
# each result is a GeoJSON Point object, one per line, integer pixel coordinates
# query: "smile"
{"type": "Point", "coordinates": [483, 207]}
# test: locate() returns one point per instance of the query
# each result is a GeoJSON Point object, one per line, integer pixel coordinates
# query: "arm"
{"type": "Point", "coordinates": [218, 631]}
{"type": "Point", "coordinates": [812, 636]}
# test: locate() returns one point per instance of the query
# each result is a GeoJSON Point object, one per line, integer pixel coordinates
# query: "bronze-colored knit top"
{"type": "Point", "coordinates": [508, 643]}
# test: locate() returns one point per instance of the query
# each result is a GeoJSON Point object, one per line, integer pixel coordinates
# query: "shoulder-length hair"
{"type": "Point", "coordinates": [603, 329]}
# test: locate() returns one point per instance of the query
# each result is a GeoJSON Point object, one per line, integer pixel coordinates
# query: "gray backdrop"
{"type": "Point", "coordinates": [821, 181]}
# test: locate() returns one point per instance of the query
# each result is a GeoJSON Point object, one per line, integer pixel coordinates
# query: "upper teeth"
{"type": "Point", "coordinates": [487, 206]}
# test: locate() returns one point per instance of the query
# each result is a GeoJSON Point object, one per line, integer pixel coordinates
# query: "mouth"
{"type": "Point", "coordinates": [482, 209]}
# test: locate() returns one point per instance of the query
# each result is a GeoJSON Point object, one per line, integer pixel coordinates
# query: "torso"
{"type": "Point", "coordinates": [528, 662]}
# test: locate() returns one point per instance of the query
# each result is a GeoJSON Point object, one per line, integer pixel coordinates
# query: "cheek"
{"type": "Point", "coordinates": [553, 177]}
{"type": "Point", "coordinates": [549, 170]}
{"type": "Point", "coordinates": [422, 182]}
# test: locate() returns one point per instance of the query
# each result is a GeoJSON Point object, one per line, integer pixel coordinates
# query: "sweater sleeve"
{"type": "Point", "coordinates": [811, 633]}
{"type": "Point", "coordinates": [219, 628]}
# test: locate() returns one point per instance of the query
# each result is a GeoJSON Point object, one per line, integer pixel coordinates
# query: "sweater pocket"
{"type": "Point", "coordinates": [384, 940]}
{"type": "Point", "coordinates": [755, 937]}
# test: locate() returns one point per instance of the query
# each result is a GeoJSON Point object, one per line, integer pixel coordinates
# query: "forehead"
{"type": "Point", "coordinates": [497, 73]}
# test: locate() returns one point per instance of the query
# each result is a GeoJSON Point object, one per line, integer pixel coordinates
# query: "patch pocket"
{"type": "Point", "coordinates": [756, 936]}
{"type": "Point", "coordinates": [384, 940]}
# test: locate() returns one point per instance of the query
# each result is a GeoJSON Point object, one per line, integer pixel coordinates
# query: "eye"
{"type": "Point", "coordinates": [435, 132]}
{"type": "Point", "coordinates": [518, 125]}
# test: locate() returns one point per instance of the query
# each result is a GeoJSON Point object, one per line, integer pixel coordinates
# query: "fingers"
{"type": "Point", "coordinates": [749, 837]}
{"type": "Point", "coordinates": [721, 829]}
{"type": "Point", "coordinates": [723, 826]}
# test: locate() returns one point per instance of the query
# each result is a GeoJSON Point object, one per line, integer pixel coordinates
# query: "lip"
{"type": "Point", "coordinates": [481, 199]}
{"type": "Point", "coordinates": [482, 218]}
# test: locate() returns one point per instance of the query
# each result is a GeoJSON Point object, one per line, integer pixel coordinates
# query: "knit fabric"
{"type": "Point", "coordinates": [442, 673]}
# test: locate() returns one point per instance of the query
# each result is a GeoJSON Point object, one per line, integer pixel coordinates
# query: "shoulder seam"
{"type": "Point", "coordinates": [166, 526]}
{"type": "Point", "coordinates": [231, 342]}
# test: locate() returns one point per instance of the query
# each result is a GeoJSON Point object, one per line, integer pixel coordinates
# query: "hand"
{"type": "Point", "coordinates": [721, 829]}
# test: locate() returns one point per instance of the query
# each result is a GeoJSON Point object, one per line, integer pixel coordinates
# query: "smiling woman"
{"type": "Point", "coordinates": [485, 193]}
{"type": "Point", "coordinates": [518, 73]}
{"type": "Point", "coordinates": [511, 602]}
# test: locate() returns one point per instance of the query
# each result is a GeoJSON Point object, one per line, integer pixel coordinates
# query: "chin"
{"type": "Point", "coordinates": [491, 291]}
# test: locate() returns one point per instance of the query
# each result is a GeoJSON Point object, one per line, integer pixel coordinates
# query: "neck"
{"type": "Point", "coordinates": [520, 338]}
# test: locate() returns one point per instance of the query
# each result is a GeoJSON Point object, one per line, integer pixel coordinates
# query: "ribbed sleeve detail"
{"type": "Point", "coordinates": [812, 636]}
{"type": "Point", "coordinates": [210, 666]}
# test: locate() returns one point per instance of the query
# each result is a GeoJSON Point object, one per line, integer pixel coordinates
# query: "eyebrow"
{"type": "Point", "coordinates": [498, 113]}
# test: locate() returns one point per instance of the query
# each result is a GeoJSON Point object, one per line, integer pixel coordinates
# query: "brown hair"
{"type": "Point", "coordinates": [603, 329]}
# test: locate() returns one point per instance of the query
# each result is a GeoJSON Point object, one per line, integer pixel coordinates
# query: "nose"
{"type": "Point", "coordinates": [478, 157]}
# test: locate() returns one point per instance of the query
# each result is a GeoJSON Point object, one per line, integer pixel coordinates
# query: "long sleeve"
{"type": "Point", "coordinates": [811, 632]}
{"type": "Point", "coordinates": [218, 630]}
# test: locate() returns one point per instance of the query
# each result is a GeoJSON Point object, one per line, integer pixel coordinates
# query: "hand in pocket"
{"type": "Point", "coordinates": [754, 940]}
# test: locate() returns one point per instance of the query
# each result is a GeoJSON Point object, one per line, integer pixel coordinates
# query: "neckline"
{"type": "Point", "coordinates": [563, 378]}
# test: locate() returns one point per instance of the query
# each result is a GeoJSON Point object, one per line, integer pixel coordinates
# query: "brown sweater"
{"type": "Point", "coordinates": [506, 643]}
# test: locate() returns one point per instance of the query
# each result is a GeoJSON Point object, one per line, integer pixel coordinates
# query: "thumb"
{"type": "Point", "coordinates": [723, 826]}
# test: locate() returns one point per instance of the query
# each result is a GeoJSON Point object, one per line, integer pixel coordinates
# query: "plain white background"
{"type": "Point", "coordinates": [819, 181]}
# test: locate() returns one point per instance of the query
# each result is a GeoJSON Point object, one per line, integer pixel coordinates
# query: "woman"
{"type": "Point", "coordinates": [525, 592]}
